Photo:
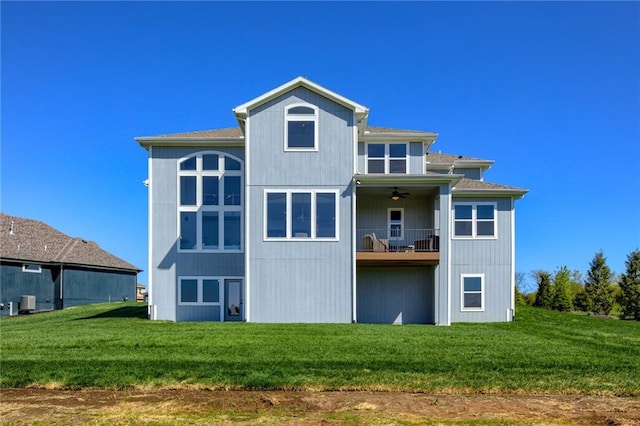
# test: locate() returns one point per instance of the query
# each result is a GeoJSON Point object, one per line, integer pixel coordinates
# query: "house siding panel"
{"type": "Point", "coordinates": [416, 159]}
{"type": "Point", "coordinates": [293, 281]}
{"type": "Point", "coordinates": [16, 283]}
{"type": "Point", "coordinates": [400, 295]}
{"type": "Point", "coordinates": [167, 263]}
{"type": "Point", "coordinates": [83, 286]}
{"type": "Point", "coordinates": [489, 257]}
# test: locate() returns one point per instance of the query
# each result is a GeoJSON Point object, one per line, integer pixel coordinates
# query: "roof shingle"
{"type": "Point", "coordinates": [32, 240]}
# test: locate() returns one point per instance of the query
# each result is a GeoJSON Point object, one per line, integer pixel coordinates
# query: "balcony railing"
{"type": "Point", "coordinates": [398, 240]}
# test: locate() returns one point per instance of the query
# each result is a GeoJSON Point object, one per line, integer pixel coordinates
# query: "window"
{"type": "Point", "coordinates": [387, 158]}
{"type": "Point", "coordinates": [199, 291]}
{"type": "Point", "coordinates": [301, 215]}
{"type": "Point", "coordinates": [31, 267]}
{"type": "Point", "coordinates": [472, 292]}
{"type": "Point", "coordinates": [210, 203]}
{"type": "Point", "coordinates": [396, 224]}
{"type": "Point", "coordinates": [474, 220]}
{"type": "Point", "coordinates": [301, 128]}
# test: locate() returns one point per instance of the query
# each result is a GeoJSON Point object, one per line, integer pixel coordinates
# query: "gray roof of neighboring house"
{"type": "Point", "coordinates": [34, 241]}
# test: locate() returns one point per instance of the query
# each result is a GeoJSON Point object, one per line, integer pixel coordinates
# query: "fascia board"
{"type": "Point", "coordinates": [485, 165]}
{"type": "Point", "coordinates": [78, 265]}
{"type": "Point", "coordinates": [195, 141]}
{"type": "Point", "coordinates": [407, 179]}
{"type": "Point", "coordinates": [242, 110]}
{"type": "Point", "coordinates": [517, 193]}
{"type": "Point", "coordinates": [399, 137]}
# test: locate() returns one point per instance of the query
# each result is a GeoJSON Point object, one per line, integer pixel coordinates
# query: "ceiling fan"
{"type": "Point", "coordinates": [395, 195]}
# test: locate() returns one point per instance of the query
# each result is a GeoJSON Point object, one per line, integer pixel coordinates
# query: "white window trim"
{"type": "Point", "coordinates": [289, 193]}
{"type": "Point", "coordinates": [199, 208]}
{"type": "Point", "coordinates": [387, 158]}
{"type": "Point", "coordinates": [462, 292]}
{"type": "Point", "coordinates": [474, 220]}
{"type": "Point", "coordinates": [295, 117]}
{"type": "Point", "coordinates": [25, 268]}
{"type": "Point", "coordinates": [200, 280]}
{"type": "Point", "coordinates": [389, 210]}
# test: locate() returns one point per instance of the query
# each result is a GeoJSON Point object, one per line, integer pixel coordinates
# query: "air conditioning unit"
{"type": "Point", "coordinates": [27, 303]}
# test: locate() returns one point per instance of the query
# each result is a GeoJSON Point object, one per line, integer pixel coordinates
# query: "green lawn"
{"type": "Point", "coordinates": [113, 346]}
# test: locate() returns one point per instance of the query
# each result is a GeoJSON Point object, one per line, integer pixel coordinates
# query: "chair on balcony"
{"type": "Point", "coordinates": [372, 243]}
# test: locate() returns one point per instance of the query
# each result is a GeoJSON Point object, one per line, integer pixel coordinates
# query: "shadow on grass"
{"type": "Point", "coordinates": [123, 312]}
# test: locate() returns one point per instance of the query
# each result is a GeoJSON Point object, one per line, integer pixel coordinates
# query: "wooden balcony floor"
{"type": "Point", "coordinates": [382, 258]}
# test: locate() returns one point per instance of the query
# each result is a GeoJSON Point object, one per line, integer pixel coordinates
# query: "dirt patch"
{"type": "Point", "coordinates": [201, 406]}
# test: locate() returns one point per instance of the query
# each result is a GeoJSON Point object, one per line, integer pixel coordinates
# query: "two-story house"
{"type": "Point", "coordinates": [305, 213]}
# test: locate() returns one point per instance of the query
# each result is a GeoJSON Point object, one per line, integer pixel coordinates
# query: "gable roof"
{"type": "Point", "coordinates": [241, 110]}
{"type": "Point", "coordinates": [30, 240]}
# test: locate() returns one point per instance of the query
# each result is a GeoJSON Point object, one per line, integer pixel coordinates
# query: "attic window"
{"type": "Point", "coordinates": [32, 267]}
{"type": "Point", "coordinates": [301, 128]}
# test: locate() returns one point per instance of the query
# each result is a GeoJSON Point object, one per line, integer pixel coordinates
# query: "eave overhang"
{"type": "Point", "coordinates": [395, 179]}
{"type": "Point", "coordinates": [77, 265]}
{"type": "Point", "coordinates": [484, 165]}
{"type": "Point", "coordinates": [146, 142]}
{"type": "Point", "coordinates": [516, 193]}
{"type": "Point", "coordinates": [426, 137]}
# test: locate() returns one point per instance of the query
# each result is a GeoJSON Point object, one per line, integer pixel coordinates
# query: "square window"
{"type": "Point", "coordinates": [188, 291]}
{"type": "Point", "coordinates": [210, 291]}
{"type": "Point", "coordinates": [210, 162]}
{"type": "Point", "coordinates": [301, 134]}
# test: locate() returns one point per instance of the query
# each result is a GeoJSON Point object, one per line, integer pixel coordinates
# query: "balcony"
{"type": "Point", "coordinates": [398, 247]}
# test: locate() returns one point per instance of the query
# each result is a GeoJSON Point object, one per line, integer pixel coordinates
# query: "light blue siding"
{"type": "Point", "coordinates": [416, 158]}
{"type": "Point", "coordinates": [470, 173]}
{"type": "Point", "coordinates": [489, 257]}
{"type": "Point", "coordinates": [300, 281]}
{"type": "Point", "coordinates": [397, 295]}
{"type": "Point", "coordinates": [167, 264]}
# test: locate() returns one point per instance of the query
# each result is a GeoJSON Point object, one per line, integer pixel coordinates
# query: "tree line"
{"type": "Point", "coordinates": [601, 292]}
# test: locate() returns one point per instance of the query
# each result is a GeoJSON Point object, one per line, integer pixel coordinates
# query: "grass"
{"type": "Point", "coordinates": [114, 346]}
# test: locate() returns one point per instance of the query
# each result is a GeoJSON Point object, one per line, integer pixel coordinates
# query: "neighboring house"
{"type": "Point", "coordinates": [305, 213]}
{"type": "Point", "coordinates": [141, 293]}
{"type": "Point", "coordinates": [60, 271]}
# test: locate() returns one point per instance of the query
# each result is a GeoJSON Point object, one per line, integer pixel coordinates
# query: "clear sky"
{"type": "Point", "coordinates": [550, 91]}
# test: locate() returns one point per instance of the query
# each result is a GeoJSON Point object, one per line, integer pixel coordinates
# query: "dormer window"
{"type": "Point", "coordinates": [301, 128]}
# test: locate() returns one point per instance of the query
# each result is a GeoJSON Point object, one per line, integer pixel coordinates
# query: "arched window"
{"type": "Point", "coordinates": [210, 198]}
{"type": "Point", "coordinates": [301, 128]}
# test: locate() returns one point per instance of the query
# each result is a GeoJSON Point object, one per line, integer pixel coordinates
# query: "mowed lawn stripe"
{"type": "Point", "coordinates": [114, 346]}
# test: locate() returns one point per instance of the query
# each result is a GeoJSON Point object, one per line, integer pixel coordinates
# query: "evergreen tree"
{"type": "Point", "coordinates": [544, 294]}
{"type": "Point", "coordinates": [582, 302]}
{"type": "Point", "coordinates": [561, 301]}
{"type": "Point", "coordinates": [630, 287]}
{"type": "Point", "coordinates": [598, 285]}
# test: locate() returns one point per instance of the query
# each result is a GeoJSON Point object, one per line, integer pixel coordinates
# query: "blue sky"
{"type": "Point", "coordinates": [550, 91]}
